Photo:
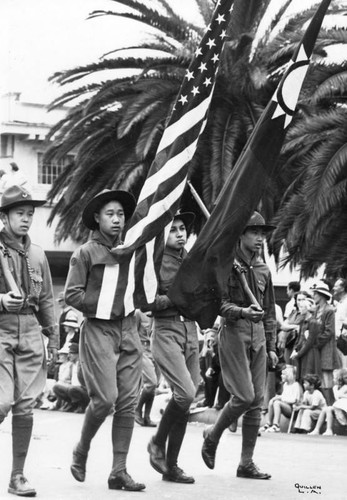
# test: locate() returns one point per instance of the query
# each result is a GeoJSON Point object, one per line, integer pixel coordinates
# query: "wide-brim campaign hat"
{"type": "Point", "coordinates": [15, 196]}
{"type": "Point", "coordinates": [322, 288]}
{"type": "Point", "coordinates": [187, 218]}
{"type": "Point", "coordinates": [125, 198]}
{"type": "Point", "coordinates": [257, 220]}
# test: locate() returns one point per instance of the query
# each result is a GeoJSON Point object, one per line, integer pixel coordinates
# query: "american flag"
{"type": "Point", "coordinates": [160, 197]}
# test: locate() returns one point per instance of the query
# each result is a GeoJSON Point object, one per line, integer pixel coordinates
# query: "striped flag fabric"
{"type": "Point", "coordinates": [198, 285]}
{"type": "Point", "coordinates": [160, 196]}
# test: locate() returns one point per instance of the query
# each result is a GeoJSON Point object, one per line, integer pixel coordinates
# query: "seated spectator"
{"type": "Point", "coordinates": [64, 376]}
{"type": "Point", "coordinates": [339, 408]}
{"type": "Point", "coordinates": [282, 404]}
{"type": "Point", "coordinates": [312, 404]}
{"type": "Point", "coordinates": [73, 395]}
{"type": "Point", "coordinates": [71, 329]}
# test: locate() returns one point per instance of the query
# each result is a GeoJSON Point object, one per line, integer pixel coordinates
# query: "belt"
{"type": "Point", "coordinates": [21, 313]}
{"type": "Point", "coordinates": [176, 317]}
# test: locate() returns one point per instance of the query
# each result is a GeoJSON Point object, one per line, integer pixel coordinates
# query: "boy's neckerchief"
{"type": "Point", "coordinates": [25, 282]}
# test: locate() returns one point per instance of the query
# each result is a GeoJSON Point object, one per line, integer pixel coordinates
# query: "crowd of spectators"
{"type": "Point", "coordinates": [306, 391]}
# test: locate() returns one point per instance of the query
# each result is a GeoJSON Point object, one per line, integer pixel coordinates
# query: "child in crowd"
{"type": "Point", "coordinates": [283, 403]}
{"type": "Point", "coordinates": [312, 403]}
{"type": "Point", "coordinates": [338, 409]}
{"type": "Point", "coordinates": [71, 329]}
{"type": "Point", "coordinates": [62, 370]}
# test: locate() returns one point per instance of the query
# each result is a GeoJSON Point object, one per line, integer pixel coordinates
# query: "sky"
{"type": "Point", "coordinates": [40, 37]}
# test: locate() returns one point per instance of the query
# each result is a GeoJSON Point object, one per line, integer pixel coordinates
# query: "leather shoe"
{"type": "Point", "coordinates": [20, 486]}
{"type": "Point", "coordinates": [78, 466]}
{"type": "Point", "coordinates": [177, 475]}
{"type": "Point", "coordinates": [147, 422]}
{"type": "Point", "coordinates": [157, 457]}
{"type": "Point", "coordinates": [233, 426]}
{"type": "Point", "coordinates": [123, 481]}
{"type": "Point", "coordinates": [208, 451]}
{"type": "Point", "coordinates": [251, 471]}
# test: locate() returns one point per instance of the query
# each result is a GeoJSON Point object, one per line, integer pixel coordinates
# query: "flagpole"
{"type": "Point", "coordinates": [198, 200]}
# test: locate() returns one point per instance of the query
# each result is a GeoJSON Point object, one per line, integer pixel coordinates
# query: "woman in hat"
{"type": "Point", "coordinates": [26, 311]}
{"type": "Point", "coordinates": [326, 340]}
{"type": "Point", "coordinates": [305, 354]}
{"type": "Point", "coordinates": [110, 348]}
{"type": "Point", "coordinates": [175, 349]}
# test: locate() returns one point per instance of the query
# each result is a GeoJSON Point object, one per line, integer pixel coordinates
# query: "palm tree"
{"type": "Point", "coordinates": [116, 125]}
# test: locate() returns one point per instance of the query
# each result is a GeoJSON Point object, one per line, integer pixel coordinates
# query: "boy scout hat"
{"type": "Point", "coordinates": [187, 218]}
{"type": "Point", "coordinates": [17, 195]}
{"type": "Point", "coordinates": [125, 199]}
{"type": "Point", "coordinates": [258, 220]}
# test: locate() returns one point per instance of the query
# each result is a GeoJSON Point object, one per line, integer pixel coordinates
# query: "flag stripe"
{"type": "Point", "coordinates": [107, 291]}
{"type": "Point", "coordinates": [168, 171]}
{"type": "Point", "coordinates": [155, 211]}
{"type": "Point", "coordinates": [184, 123]}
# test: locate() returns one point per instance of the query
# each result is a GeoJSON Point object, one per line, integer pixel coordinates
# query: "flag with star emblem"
{"type": "Point", "coordinates": [160, 196]}
{"type": "Point", "coordinates": [200, 280]}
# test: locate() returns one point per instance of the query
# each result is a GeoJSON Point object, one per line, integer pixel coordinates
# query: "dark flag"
{"type": "Point", "coordinates": [197, 287]}
{"type": "Point", "coordinates": [160, 197]}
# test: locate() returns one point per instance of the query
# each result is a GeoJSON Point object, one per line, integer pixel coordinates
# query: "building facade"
{"type": "Point", "coordinates": [23, 130]}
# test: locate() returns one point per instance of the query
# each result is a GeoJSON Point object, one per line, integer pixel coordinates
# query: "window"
{"type": "Point", "coordinates": [48, 172]}
{"type": "Point", "coordinates": [7, 146]}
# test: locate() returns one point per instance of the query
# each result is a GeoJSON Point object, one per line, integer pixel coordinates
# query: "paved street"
{"type": "Point", "coordinates": [317, 464]}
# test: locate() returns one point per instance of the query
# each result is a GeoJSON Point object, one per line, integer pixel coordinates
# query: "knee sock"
{"type": "Point", "coordinates": [171, 413]}
{"type": "Point", "coordinates": [122, 430]}
{"type": "Point", "coordinates": [225, 418]}
{"type": "Point", "coordinates": [22, 426]}
{"type": "Point", "coordinates": [90, 427]}
{"type": "Point", "coordinates": [176, 436]}
{"type": "Point", "coordinates": [250, 428]}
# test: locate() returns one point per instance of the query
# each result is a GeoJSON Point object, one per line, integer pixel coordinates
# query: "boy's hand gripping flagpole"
{"type": "Point", "coordinates": [237, 265]}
